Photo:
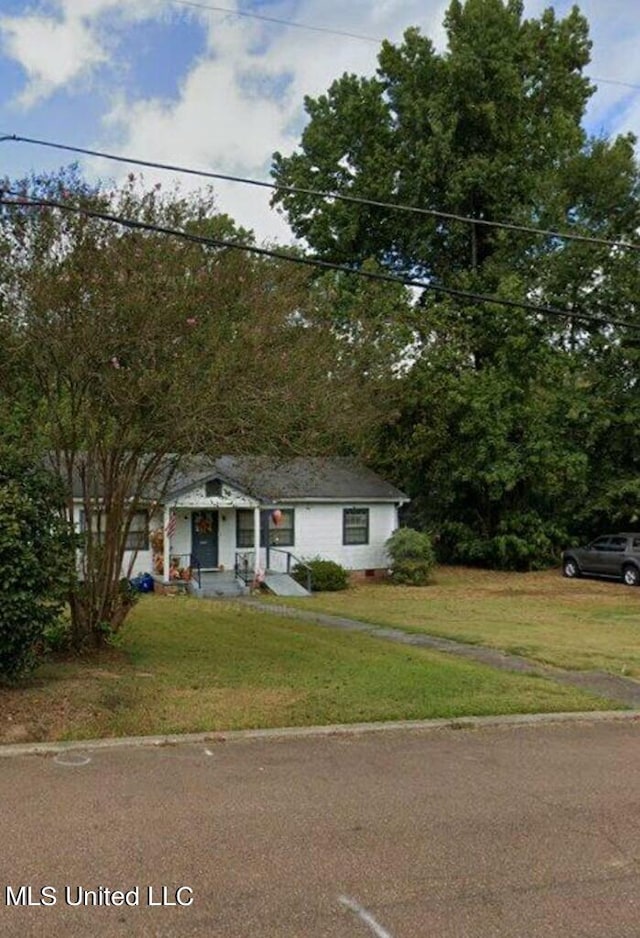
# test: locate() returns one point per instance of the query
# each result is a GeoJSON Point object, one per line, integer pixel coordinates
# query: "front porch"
{"type": "Point", "coordinates": [198, 547]}
{"type": "Point", "coordinates": [195, 542]}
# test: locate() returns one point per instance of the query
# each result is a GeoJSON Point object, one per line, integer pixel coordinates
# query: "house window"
{"type": "Point", "coordinates": [213, 488]}
{"type": "Point", "coordinates": [355, 526]}
{"type": "Point", "coordinates": [244, 528]}
{"type": "Point", "coordinates": [138, 536]}
{"type": "Point", "coordinates": [98, 522]}
{"type": "Point", "coordinates": [281, 534]}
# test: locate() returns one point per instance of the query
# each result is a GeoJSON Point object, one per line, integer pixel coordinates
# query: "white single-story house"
{"type": "Point", "coordinates": [250, 515]}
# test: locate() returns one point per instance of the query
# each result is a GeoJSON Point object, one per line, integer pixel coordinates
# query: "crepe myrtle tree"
{"type": "Point", "coordinates": [137, 350]}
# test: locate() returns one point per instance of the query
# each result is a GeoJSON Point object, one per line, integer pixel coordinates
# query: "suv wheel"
{"type": "Point", "coordinates": [571, 569]}
{"type": "Point", "coordinates": [631, 575]}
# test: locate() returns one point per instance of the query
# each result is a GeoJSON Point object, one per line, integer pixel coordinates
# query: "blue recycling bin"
{"type": "Point", "coordinates": [144, 583]}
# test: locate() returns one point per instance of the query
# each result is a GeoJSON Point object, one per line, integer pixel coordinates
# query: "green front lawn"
{"type": "Point", "coordinates": [576, 624]}
{"type": "Point", "coordinates": [187, 665]}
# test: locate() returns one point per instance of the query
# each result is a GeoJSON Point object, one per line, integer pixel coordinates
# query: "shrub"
{"type": "Point", "coordinates": [412, 572]}
{"type": "Point", "coordinates": [408, 544]}
{"type": "Point", "coordinates": [412, 556]}
{"type": "Point", "coordinates": [326, 575]}
{"type": "Point", "coordinates": [36, 562]}
{"type": "Point", "coordinates": [522, 542]}
{"type": "Point", "coordinates": [57, 636]}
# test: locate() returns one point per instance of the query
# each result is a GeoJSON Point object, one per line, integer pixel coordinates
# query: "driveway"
{"type": "Point", "coordinates": [512, 831]}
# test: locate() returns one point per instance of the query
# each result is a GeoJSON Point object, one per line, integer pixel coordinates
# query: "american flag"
{"type": "Point", "coordinates": [170, 526]}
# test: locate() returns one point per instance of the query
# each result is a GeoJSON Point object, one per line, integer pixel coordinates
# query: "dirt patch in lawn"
{"type": "Point", "coordinates": [68, 692]}
{"type": "Point", "coordinates": [29, 716]}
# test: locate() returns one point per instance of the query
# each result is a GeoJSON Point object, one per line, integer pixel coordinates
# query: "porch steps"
{"type": "Point", "coordinates": [281, 584]}
{"type": "Point", "coordinates": [219, 583]}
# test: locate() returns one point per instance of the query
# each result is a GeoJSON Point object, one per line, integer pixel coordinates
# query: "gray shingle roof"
{"type": "Point", "coordinates": [296, 479]}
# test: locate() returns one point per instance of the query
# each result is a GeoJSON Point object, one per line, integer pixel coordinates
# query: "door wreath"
{"type": "Point", "coordinates": [204, 524]}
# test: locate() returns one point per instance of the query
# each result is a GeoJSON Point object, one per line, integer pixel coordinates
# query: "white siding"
{"type": "Point", "coordinates": [181, 539]}
{"type": "Point", "coordinates": [142, 563]}
{"type": "Point", "coordinates": [197, 498]}
{"type": "Point", "coordinates": [318, 533]}
{"type": "Point", "coordinates": [227, 538]}
{"type": "Point", "coordinates": [142, 560]}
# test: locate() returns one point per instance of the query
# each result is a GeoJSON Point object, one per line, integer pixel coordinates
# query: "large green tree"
{"type": "Point", "coordinates": [505, 412]}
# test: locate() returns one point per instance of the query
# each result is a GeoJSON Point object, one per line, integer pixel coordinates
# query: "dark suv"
{"type": "Point", "coordinates": [614, 555]}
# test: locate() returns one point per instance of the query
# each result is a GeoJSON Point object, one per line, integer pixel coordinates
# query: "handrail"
{"type": "Point", "coordinates": [197, 566]}
{"type": "Point", "coordinates": [243, 566]}
{"type": "Point", "coordinates": [298, 561]}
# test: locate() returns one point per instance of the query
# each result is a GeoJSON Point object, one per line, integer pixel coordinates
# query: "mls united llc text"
{"type": "Point", "coordinates": [161, 896]}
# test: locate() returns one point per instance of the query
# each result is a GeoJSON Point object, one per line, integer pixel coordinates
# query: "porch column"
{"type": "Point", "coordinates": [166, 544]}
{"type": "Point", "coordinates": [256, 542]}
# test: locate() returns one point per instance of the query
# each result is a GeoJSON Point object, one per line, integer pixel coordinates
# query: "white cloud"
{"type": "Point", "coordinates": [614, 29]}
{"type": "Point", "coordinates": [224, 123]}
{"type": "Point", "coordinates": [56, 51]}
{"type": "Point", "coordinates": [215, 124]}
{"type": "Point", "coordinates": [53, 54]}
{"type": "Point", "coordinates": [227, 117]}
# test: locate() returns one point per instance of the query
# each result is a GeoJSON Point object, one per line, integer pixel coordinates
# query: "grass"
{"type": "Point", "coordinates": [575, 624]}
{"type": "Point", "coordinates": [187, 665]}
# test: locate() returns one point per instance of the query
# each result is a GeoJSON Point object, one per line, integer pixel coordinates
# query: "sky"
{"type": "Point", "coordinates": [196, 84]}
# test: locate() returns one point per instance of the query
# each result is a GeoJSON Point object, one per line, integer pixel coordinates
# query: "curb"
{"type": "Point", "coordinates": [319, 732]}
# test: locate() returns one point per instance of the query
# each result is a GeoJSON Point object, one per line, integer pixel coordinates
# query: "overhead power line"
{"type": "Point", "coordinates": [274, 19]}
{"type": "Point", "coordinates": [227, 11]}
{"type": "Point", "coordinates": [318, 193]}
{"type": "Point", "coordinates": [17, 200]}
{"type": "Point", "coordinates": [614, 81]}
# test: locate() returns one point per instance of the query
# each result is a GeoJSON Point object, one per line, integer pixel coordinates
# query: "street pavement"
{"type": "Point", "coordinates": [529, 831]}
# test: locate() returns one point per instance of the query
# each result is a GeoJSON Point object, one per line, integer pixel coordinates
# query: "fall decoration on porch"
{"type": "Point", "coordinates": [176, 572]}
{"type": "Point", "coordinates": [203, 524]}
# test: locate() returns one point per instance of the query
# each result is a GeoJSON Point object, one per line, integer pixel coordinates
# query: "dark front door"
{"type": "Point", "coordinates": [204, 537]}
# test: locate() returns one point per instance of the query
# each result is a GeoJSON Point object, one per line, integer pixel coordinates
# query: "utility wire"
{"type": "Point", "coordinates": [317, 193]}
{"type": "Point", "coordinates": [614, 81]}
{"type": "Point", "coordinates": [336, 32]}
{"type": "Point", "coordinates": [274, 19]}
{"type": "Point", "coordinates": [19, 201]}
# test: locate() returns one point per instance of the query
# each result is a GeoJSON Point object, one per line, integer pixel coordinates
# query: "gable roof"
{"type": "Point", "coordinates": [301, 479]}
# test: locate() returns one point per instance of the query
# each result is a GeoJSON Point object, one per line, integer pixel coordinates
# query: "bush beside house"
{"type": "Point", "coordinates": [36, 562]}
{"type": "Point", "coordinates": [412, 557]}
{"type": "Point", "coordinates": [326, 575]}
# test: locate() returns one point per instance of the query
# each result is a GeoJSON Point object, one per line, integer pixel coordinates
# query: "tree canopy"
{"type": "Point", "coordinates": [516, 429]}
{"type": "Point", "coordinates": [134, 350]}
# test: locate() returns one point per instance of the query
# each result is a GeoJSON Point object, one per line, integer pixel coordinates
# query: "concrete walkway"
{"type": "Point", "coordinates": [621, 690]}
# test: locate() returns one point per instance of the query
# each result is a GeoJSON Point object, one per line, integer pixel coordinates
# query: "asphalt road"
{"type": "Point", "coordinates": [521, 832]}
